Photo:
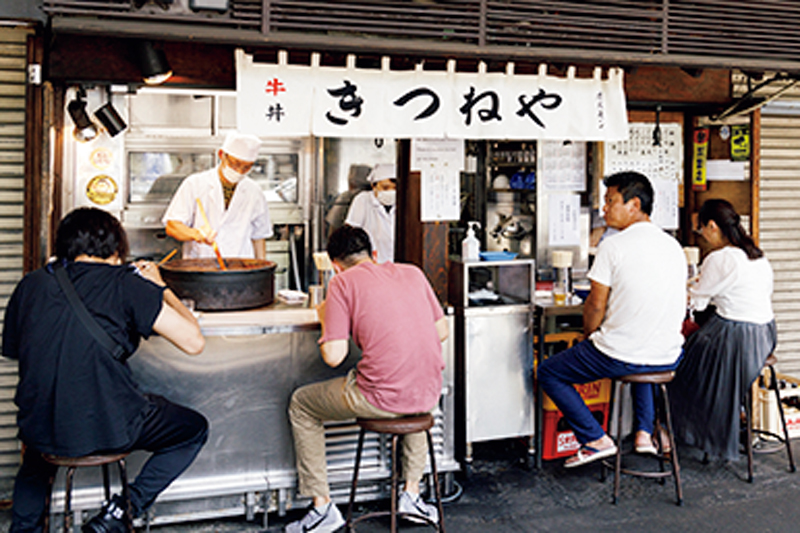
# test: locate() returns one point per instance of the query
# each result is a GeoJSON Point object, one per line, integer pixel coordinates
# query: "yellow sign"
{"type": "Point", "coordinates": [740, 143]}
{"type": "Point", "coordinates": [699, 157]}
{"type": "Point", "coordinates": [101, 189]}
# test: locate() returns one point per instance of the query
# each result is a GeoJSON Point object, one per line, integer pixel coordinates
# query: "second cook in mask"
{"type": "Point", "coordinates": [235, 205]}
{"type": "Point", "coordinates": [374, 211]}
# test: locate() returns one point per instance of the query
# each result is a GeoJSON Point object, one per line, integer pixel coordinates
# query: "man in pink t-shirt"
{"type": "Point", "coordinates": [393, 315]}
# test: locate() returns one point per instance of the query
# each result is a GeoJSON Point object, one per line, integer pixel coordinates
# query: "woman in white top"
{"type": "Point", "coordinates": [723, 358]}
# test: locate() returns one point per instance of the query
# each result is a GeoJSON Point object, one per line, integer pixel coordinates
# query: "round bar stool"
{"type": "Point", "coordinates": [663, 421]}
{"type": "Point", "coordinates": [748, 409]}
{"type": "Point", "coordinates": [395, 427]}
{"type": "Point", "coordinates": [73, 463]}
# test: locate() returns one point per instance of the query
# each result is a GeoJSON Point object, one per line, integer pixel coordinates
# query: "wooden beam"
{"type": "Point", "coordinates": [33, 162]}
{"type": "Point", "coordinates": [755, 174]}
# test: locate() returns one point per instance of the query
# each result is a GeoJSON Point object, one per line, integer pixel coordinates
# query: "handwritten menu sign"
{"type": "Point", "coordinates": [663, 165]}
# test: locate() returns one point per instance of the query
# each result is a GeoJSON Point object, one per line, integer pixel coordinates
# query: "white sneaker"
{"type": "Point", "coordinates": [412, 505]}
{"type": "Point", "coordinates": [327, 521]}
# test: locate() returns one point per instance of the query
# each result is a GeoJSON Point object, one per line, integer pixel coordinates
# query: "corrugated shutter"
{"type": "Point", "coordinates": [779, 220]}
{"type": "Point", "coordinates": [13, 67]}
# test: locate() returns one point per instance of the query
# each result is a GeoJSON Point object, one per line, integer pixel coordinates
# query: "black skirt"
{"type": "Point", "coordinates": [720, 361]}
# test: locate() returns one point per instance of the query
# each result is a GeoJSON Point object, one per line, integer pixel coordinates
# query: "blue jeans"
{"type": "Point", "coordinates": [583, 363]}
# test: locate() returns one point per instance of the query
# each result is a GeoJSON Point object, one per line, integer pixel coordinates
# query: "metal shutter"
{"type": "Point", "coordinates": [13, 67]}
{"type": "Point", "coordinates": [780, 215]}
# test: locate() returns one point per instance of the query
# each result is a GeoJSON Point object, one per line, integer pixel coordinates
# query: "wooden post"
{"type": "Point", "coordinates": [421, 243]}
{"type": "Point", "coordinates": [755, 174]}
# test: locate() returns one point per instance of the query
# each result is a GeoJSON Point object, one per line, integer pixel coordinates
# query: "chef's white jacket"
{"type": "Point", "coordinates": [368, 213]}
{"type": "Point", "coordinates": [245, 220]}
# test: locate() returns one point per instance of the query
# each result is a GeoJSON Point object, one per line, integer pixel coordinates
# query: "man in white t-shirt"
{"type": "Point", "coordinates": [632, 317]}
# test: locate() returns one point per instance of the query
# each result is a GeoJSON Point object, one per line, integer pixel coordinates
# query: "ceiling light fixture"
{"type": "Point", "coordinates": [109, 117]}
{"type": "Point", "coordinates": [85, 129]}
{"type": "Point", "coordinates": [153, 63]}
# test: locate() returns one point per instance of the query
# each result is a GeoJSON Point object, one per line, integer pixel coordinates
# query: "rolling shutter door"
{"type": "Point", "coordinates": [779, 220]}
{"type": "Point", "coordinates": [13, 67]}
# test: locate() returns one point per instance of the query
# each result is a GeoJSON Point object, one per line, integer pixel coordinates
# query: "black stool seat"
{"type": "Point", "coordinates": [783, 440]}
{"type": "Point", "coordinates": [86, 460]}
{"type": "Point", "coordinates": [655, 378]}
{"type": "Point", "coordinates": [395, 427]}
{"type": "Point", "coordinates": [73, 463]}
{"type": "Point", "coordinates": [660, 380]}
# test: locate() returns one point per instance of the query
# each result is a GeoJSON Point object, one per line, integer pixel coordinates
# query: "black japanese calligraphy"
{"type": "Point", "coordinates": [275, 112]}
{"type": "Point", "coordinates": [349, 102]}
{"type": "Point", "coordinates": [547, 100]}
{"type": "Point", "coordinates": [484, 114]}
{"type": "Point", "coordinates": [432, 108]}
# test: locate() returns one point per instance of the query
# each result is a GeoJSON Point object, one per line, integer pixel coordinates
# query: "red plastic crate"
{"type": "Point", "coordinates": [558, 440]}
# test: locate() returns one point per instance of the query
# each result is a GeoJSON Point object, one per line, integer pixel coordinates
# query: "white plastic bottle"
{"type": "Point", "coordinates": [471, 246]}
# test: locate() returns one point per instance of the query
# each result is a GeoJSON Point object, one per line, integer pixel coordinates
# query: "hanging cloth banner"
{"type": "Point", "coordinates": [282, 100]}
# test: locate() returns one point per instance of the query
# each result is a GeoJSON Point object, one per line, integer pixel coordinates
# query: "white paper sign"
{"type": "Point", "coordinates": [665, 205]}
{"type": "Point", "coordinates": [434, 152]}
{"type": "Point", "coordinates": [564, 214]}
{"type": "Point", "coordinates": [563, 166]}
{"type": "Point", "coordinates": [724, 170]}
{"type": "Point", "coordinates": [440, 198]}
{"type": "Point", "coordinates": [278, 100]}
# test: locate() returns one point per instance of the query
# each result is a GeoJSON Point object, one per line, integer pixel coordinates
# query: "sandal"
{"type": "Point", "coordinates": [587, 454]}
{"type": "Point", "coordinates": [651, 448]}
{"type": "Point", "coordinates": [648, 448]}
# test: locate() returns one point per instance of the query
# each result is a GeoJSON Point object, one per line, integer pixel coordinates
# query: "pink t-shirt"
{"type": "Point", "coordinates": [390, 310]}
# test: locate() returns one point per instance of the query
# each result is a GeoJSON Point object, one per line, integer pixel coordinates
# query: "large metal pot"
{"type": "Point", "coordinates": [246, 284]}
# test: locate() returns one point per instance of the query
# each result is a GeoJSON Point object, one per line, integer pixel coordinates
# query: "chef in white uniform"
{"type": "Point", "coordinates": [374, 211]}
{"type": "Point", "coordinates": [234, 204]}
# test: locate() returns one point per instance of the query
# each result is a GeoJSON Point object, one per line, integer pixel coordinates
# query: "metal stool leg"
{"type": "Point", "coordinates": [67, 500]}
{"type": "Point", "coordinates": [618, 462]}
{"type": "Point", "coordinates": [435, 481]}
{"type": "Point", "coordinates": [774, 386]}
{"type": "Point", "coordinates": [106, 482]}
{"type": "Point", "coordinates": [673, 455]}
{"type": "Point", "coordinates": [748, 420]}
{"type": "Point", "coordinates": [47, 502]}
{"type": "Point", "coordinates": [393, 502]}
{"type": "Point", "coordinates": [611, 407]}
{"type": "Point", "coordinates": [126, 495]}
{"type": "Point", "coordinates": [354, 484]}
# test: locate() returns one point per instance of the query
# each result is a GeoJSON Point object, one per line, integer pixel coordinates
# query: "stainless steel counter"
{"type": "Point", "coordinates": [242, 383]}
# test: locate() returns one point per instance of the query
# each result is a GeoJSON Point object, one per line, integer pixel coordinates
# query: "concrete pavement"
{"type": "Point", "coordinates": [502, 496]}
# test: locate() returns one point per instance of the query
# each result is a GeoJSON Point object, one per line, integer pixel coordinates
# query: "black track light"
{"type": "Point", "coordinates": [153, 63]}
{"type": "Point", "coordinates": [85, 130]}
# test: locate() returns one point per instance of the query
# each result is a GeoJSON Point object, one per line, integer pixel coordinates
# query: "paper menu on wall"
{"type": "Point", "coordinates": [440, 198]}
{"type": "Point", "coordinates": [564, 213]}
{"type": "Point", "coordinates": [638, 153]}
{"type": "Point", "coordinates": [563, 166]}
{"type": "Point", "coordinates": [663, 165]}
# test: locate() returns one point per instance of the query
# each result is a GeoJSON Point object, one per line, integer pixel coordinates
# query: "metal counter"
{"type": "Point", "coordinates": [242, 383]}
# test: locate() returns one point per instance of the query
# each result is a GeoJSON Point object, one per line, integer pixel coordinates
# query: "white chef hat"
{"type": "Point", "coordinates": [241, 146]}
{"type": "Point", "coordinates": [383, 171]}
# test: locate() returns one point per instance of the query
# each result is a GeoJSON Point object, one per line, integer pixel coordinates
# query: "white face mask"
{"type": "Point", "coordinates": [387, 198]}
{"type": "Point", "coordinates": [231, 175]}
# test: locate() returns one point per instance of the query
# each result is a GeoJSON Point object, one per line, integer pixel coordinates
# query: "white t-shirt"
{"type": "Point", "coordinates": [740, 287]}
{"type": "Point", "coordinates": [368, 213]}
{"type": "Point", "coordinates": [646, 271]}
{"type": "Point", "coordinates": [245, 220]}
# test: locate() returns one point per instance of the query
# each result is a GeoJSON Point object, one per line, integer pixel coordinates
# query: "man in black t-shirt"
{"type": "Point", "coordinates": [74, 397]}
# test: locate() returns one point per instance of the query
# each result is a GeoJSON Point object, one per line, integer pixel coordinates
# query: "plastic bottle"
{"type": "Point", "coordinates": [471, 246]}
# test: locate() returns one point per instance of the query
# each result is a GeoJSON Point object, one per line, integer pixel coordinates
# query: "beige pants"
{"type": "Point", "coordinates": [338, 399]}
